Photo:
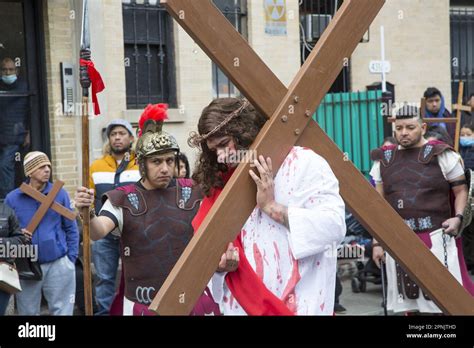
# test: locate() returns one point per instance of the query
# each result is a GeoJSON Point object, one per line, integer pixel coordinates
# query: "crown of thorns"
{"type": "Point", "coordinates": [197, 139]}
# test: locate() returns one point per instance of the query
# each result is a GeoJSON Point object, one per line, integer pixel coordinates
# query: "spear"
{"type": "Point", "coordinates": [85, 55]}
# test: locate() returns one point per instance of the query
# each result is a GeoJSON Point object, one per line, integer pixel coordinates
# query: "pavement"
{"type": "Point", "coordinates": [361, 303]}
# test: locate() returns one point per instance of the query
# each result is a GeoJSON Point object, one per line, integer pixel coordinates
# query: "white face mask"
{"type": "Point", "coordinates": [9, 79]}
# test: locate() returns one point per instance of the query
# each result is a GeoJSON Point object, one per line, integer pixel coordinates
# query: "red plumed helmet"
{"type": "Point", "coordinates": [153, 117]}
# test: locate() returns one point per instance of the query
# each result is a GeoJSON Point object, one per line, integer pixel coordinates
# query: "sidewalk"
{"type": "Point", "coordinates": [362, 303]}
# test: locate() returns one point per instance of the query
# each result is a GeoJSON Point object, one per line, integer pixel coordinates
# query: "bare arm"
{"type": "Point", "coordinates": [101, 226]}
{"type": "Point", "coordinates": [451, 226]}
{"type": "Point", "coordinates": [460, 194]}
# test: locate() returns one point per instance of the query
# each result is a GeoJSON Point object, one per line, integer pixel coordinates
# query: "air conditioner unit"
{"type": "Point", "coordinates": [314, 25]}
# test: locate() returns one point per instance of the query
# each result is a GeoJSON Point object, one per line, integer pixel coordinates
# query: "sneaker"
{"type": "Point", "coordinates": [338, 308]}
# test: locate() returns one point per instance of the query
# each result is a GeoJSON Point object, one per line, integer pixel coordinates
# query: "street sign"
{"type": "Point", "coordinates": [375, 66]}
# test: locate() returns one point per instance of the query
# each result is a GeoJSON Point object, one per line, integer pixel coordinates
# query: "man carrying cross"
{"type": "Point", "coordinates": [57, 239]}
{"type": "Point", "coordinates": [416, 177]}
{"type": "Point", "coordinates": [287, 258]}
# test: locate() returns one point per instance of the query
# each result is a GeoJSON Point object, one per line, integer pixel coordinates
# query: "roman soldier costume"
{"type": "Point", "coordinates": [156, 224]}
{"type": "Point", "coordinates": [416, 188]}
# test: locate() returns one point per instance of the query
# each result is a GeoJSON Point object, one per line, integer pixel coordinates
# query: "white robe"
{"type": "Point", "coordinates": [399, 303]}
{"type": "Point", "coordinates": [299, 265]}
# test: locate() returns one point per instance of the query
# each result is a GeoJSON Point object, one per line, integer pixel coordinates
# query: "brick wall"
{"type": "Point", "coordinates": [59, 27]}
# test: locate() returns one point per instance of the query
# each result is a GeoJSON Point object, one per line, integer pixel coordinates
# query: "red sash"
{"type": "Point", "coordinates": [244, 284]}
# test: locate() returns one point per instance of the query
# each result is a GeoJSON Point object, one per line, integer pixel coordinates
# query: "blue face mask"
{"type": "Point", "coordinates": [9, 79]}
{"type": "Point", "coordinates": [466, 141]}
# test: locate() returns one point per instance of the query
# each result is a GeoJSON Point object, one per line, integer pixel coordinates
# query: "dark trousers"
{"type": "Point", "coordinates": [338, 289]}
{"type": "Point", "coordinates": [4, 299]}
{"type": "Point", "coordinates": [468, 244]}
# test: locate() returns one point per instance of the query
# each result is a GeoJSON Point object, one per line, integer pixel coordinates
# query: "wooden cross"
{"type": "Point", "coordinates": [428, 119]}
{"type": "Point", "coordinates": [459, 107]}
{"type": "Point", "coordinates": [46, 203]}
{"type": "Point", "coordinates": [289, 112]}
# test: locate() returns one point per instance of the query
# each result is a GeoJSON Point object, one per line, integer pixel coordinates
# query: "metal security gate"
{"type": "Point", "coordinates": [236, 12]}
{"type": "Point", "coordinates": [149, 54]}
{"type": "Point", "coordinates": [462, 50]}
{"type": "Point", "coordinates": [354, 121]}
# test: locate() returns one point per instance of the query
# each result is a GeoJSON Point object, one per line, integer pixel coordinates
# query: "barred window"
{"type": "Point", "coordinates": [236, 12]}
{"type": "Point", "coordinates": [315, 16]}
{"type": "Point", "coordinates": [462, 50]}
{"type": "Point", "coordinates": [149, 54]}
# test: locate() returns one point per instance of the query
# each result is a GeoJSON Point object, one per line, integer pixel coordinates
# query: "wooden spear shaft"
{"type": "Point", "coordinates": [84, 79]}
{"type": "Point", "coordinates": [86, 241]}
{"type": "Point", "coordinates": [85, 211]}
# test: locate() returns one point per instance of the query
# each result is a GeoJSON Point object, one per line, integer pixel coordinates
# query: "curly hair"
{"type": "Point", "coordinates": [244, 128]}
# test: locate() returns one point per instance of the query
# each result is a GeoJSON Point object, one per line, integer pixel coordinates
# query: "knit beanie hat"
{"type": "Point", "coordinates": [35, 160]}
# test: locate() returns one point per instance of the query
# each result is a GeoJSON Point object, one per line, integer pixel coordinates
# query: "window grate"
{"type": "Point", "coordinates": [235, 12]}
{"type": "Point", "coordinates": [149, 54]}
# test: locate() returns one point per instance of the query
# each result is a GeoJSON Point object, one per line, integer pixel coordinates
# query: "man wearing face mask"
{"type": "Point", "coordinates": [466, 145]}
{"type": "Point", "coordinates": [13, 133]}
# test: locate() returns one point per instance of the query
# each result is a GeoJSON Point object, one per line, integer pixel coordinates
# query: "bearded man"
{"type": "Point", "coordinates": [424, 182]}
{"type": "Point", "coordinates": [287, 263]}
{"type": "Point", "coordinates": [152, 216]}
{"type": "Point", "coordinates": [115, 169]}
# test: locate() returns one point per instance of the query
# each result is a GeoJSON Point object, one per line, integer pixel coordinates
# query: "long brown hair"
{"type": "Point", "coordinates": [243, 128]}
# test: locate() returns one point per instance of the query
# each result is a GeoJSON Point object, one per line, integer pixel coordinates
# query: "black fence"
{"type": "Point", "coordinates": [149, 54]}
{"type": "Point", "coordinates": [236, 12]}
{"type": "Point", "coordinates": [462, 51]}
{"type": "Point", "coordinates": [315, 16]}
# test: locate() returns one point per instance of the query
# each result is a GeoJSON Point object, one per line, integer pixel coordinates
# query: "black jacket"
{"type": "Point", "coordinates": [10, 231]}
{"type": "Point", "coordinates": [467, 154]}
{"type": "Point", "coordinates": [14, 113]}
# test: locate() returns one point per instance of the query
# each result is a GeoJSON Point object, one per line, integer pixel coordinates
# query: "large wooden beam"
{"type": "Point", "coordinates": [228, 49]}
{"type": "Point", "coordinates": [46, 203]}
{"type": "Point", "coordinates": [374, 212]}
{"type": "Point", "coordinates": [199, 260]}
{"type": "Point", "coordinates": [58, 208]}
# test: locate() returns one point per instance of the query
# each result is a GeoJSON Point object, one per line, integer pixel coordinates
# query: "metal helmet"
{"type": "Point", "coordinates": [152, 138]}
